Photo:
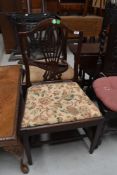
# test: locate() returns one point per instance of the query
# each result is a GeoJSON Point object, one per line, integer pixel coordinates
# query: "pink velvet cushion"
{"type": "Point", "coordinates": [106, 90]}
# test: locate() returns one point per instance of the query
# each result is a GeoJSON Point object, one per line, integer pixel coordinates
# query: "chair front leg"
{"type": "Point", "coordinates": [97, 136]}
{"type": "Point", "coordinates": [27, 148]}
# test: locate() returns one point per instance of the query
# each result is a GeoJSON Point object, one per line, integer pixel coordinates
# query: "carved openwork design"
{"type": "Point", "coordinates": [53, 47]}
{"type": "Point", "coordinates": [49, 43]}
{"type": "Point", "coordinates": [45, 47]}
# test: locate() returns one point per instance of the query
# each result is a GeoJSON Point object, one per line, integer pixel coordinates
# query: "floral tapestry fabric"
{"type": "Point", "coordinates": [57, 103]}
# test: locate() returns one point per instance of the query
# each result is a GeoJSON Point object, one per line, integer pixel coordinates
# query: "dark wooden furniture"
{"type": "Point", "coordinates": [105, 87]}
{"type": "Point", "coordinates": [16, 6]}
{"type": "Point", "coordinates": [103, 60]}
{"type": "Point", "coordinates": [36, 49]}
{"type": "Point", "coordinates": [44, 6]}
{"type": "Point", "coordinates": [83, 23]}
{"type": "Point", "coordinates": [90, 45]}
{"type": "Point", "coordinates": [54, 104]}
{"type": "Point", "coordinates": [6, 26]}
{"type": "Point", "coordinates": [73, 6]}
{"type": "Point", "coordinates": [10, 79]}
{"type": "Point", "coordinates": [9, 36]}
{"type": "Point", "coordinates": [59, 6]}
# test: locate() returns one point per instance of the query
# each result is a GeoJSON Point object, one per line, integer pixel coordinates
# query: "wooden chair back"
{"type": "Point", "coordinates": [48, 41]}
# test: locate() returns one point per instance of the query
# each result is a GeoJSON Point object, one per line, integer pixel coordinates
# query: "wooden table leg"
{"type": "Point", "coordinates": [19, 152]}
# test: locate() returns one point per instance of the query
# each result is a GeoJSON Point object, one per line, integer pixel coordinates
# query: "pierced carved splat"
{"type": "Point", "coordinates": [45, 47]}
{"type": "Point", "coordinates": [52, 44]}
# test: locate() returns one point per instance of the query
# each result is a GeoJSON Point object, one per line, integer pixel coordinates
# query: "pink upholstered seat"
{"type": "Point", "coordinates": [106, 90]}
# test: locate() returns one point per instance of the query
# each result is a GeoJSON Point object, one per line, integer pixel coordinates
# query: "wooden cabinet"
{"type": "Point", "coordinates": [7, 28]}
{"type": "Point", "coordinates": [50, 5]}
{"type": "Point", "coordinates": [71, 6]}
{"type": "Point", "coordinates": [6, 6]}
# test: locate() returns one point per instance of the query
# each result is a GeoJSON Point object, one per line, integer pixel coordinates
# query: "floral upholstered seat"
{"type": "Point", "coordinates": [57, 103]}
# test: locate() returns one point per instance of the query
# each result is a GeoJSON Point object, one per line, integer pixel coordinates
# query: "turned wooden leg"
{"type": "Point", "coordinates": [27, 148]}
{"type": "Point", "coordinates": [17, 150]}
{"type": "Point", "coordinates": [23, 163]}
